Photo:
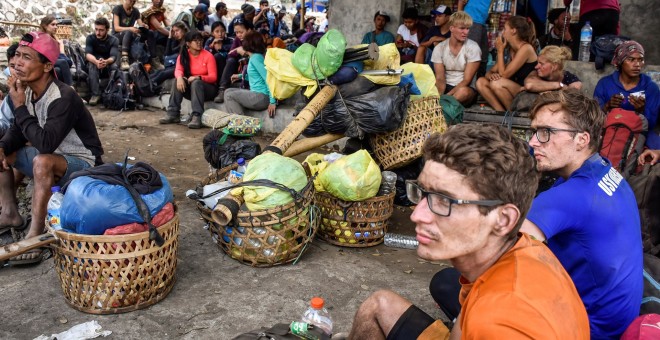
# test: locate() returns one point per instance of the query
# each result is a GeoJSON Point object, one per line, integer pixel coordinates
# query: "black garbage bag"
{"type": "Point", "coordinates": [382, 110]}
{"type": "Point", "coordinates": [221, 151]}
{"type": "Point", "coordinates": [410, 171]}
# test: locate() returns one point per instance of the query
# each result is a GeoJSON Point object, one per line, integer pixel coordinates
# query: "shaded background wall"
{"type": "Point", "coordinates": [640, 20]}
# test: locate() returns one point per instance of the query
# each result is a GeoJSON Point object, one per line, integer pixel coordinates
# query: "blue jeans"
{"type": "Point", "coordinates": [25, 158]}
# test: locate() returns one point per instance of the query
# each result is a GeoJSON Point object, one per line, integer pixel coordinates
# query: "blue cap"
{"type": "Point", "coordinates": [55, 189]}
{"type": "Point", "coordinates": [240, 161]}
{"type": "Point", "coordinates": [201, 8]}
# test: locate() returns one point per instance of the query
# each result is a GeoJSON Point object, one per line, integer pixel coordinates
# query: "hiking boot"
{"type": "Point", "coordinates": [220, 98]}
{"type": "Point", "coordinates": [169, 119]}
{"type": "Point", "coordinates": [124, 63]}
{"type": "Point", "coordinates": [156, 64]}
{"type": "Point", "coordinates": [94, 100]}
{"type": "Point", "coordinates": [195, 122]}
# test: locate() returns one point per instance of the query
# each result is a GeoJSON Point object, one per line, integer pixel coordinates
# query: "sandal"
{"type": "Point", "coordinates": [31, 257]}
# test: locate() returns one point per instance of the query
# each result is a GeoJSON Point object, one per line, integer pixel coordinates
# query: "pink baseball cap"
{"type": "Point", "coordinates": [42, 43]}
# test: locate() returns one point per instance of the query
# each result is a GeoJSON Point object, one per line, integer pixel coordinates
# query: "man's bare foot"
{"type": "Point", "coordinates": [8, 221]}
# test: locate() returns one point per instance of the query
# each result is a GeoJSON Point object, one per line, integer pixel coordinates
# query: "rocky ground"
{"type": "Point", "coordinates": [214, 295]}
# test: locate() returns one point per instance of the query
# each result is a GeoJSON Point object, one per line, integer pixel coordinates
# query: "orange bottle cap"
{"type": "Point", "coordinates": [317, 302]}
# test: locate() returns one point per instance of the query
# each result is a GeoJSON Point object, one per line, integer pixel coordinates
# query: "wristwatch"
{"type": "Point", "coordinates": [561, 85]}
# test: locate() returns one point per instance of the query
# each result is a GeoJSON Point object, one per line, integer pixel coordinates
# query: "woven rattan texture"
{"type": "Point", "coordinates": [116, 274]}
{"type": "Point", "coordinates": [64, 32]}
{"type": "Point", "coordinates": [400, 147]}
{"type": "Point", "coordinates": [354, 224]}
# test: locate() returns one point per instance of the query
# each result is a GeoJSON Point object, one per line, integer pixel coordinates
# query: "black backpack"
{"type": "Point", "coordinates": [116, 95]}
{"type": "Point", "coordinates": [144, 87]}
{"type": "Point", "coordinates": [139, 51]}
{"type": "Point", "coordinates": [603, 48]}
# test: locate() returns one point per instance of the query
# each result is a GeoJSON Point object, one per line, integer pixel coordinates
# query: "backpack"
{"type": "Point", "coordinates": [116, 95]}
{"type": "Point", "coordinates": [76, 53]}
{"type": "Point", "coordinates": [623, 139]}
{"type": "Point", "coordinates": [139, 51]}
{"type": "Point", "coordinates": [144, 87]}
{"type": "Point", "coordinates": [646, 186]}
{"type": "Point", "coordinates": [603, 48]}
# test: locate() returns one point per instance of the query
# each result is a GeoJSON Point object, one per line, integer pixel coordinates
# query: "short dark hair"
{"type": "Point", "coordinates": [216, 24]}
{"type": "Point", "coordinates": [220, 5]}
{"type": "Point", "coordinates": [555, 13]}
{"type": "Point", "coordinates": [410, 13]}
{"type": "Point", "coordinates": [11, 50]}
{"type": "Point", "coordinates": [263, 2]}
{"type": "Point", "coordinates": [382, 14]}
{"type": "Point", "coordinates": [253, 42]}
{"type": "Point", "coordinates": [245, 23]}
{"type": "Point", "coordinates": [102, 22]}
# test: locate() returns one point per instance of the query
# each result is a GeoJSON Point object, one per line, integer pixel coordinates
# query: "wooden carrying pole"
{"type": "Point", "coordinates": [14, 249]}
{"type": "Point", "coordinates": [307, 144]}
{"type": "Point", "coordinates": [228, 206]}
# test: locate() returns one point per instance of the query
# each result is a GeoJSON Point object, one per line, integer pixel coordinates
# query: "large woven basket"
{"type": "Point", "coordinates": [116, 274]}
{"type": "Point", "coordinates": [354, 224]}
{"type": "Point", "coordinates": [265, 238]}
{"type": "Point", "coordinates": [398, 148]}
{"type": "Point", "coordinates": [64, 32]}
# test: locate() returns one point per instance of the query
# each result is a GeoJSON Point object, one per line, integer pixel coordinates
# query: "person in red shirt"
{"type": "Point", "coordinates": [196, 74]}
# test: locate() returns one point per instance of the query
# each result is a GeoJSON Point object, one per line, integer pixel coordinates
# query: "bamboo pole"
{"type": "Point", "coordinates": [307, 144]}
{"type": "Point", "coordinates": [16, 23]}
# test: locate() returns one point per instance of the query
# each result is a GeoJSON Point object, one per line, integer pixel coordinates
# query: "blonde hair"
{"type": "Point", "coordinates": [557, 55]}
{"type": "Point", "coordinates": [460, 18]}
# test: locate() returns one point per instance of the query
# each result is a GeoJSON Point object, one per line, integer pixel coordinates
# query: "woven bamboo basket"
{"type": "Point", "coordinates": [398, 148]}
{"type": "Point", "coordinates": [265, 238]}
{"type": "Point", "coordinates": [116, 274]}
{"type": "Point", "coordinates": [354, 224]}
{"type": "Point", "coordinates": [64, 32]}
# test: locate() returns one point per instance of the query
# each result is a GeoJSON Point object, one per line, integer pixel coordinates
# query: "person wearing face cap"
{"type": "Point", "coordinates": [247, 15]}
{"type": "Point", "coordinates": [630, 89]}
{"type": "Point", "coordinates": [435, 35]}
{"type": "Point", "coordinates": [379, 35]}
{"type": "Point", "coordinates": [53, 136]}
{"type": "Point", "coordinates": [278, 27]}
{"type": "Point", "coordinates": [201, 20]}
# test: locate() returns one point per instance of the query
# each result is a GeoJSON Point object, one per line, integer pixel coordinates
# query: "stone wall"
{"type": "Point", "coordinates": [640, 20]}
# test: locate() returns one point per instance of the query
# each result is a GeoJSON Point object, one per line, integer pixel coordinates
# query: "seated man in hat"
{"type": "Point", "coordinates": [435, 35]}
{"type": "Point", "coordinates": [247, 15]}
{"type": "Point", "coordinates": [379, 35]}
{"type": "Point", "coordinates": [628, 88]}
{"type": "Point", "coordinates": [472, 197]}
{"type": "Point", "coordinates": [53, 135]}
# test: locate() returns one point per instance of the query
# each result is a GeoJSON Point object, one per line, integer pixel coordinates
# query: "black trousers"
{"type": "Point", "coordinates": [445, 289]}
{"type": "Point", "coordinates": [155, 38]}
{"type": "Point", "coordinates": [125, 40]}
{"type": "Point", "coordinates": [198, 92]}
{"type": "Point", "coordinates": [230, 68]}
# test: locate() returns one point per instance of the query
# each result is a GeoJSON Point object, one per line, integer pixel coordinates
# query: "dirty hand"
{"type": "Point", "coordinates": [614, 102]}
{"type": "Point", "coordinates": [649, 156]}
{"type": "Point", "coordinates": [181, 84]}
{"type": "Point", "coordinates": [638, 103]}
{"type": "Point", "coordinates": [16, 91]}
{"type": "Point", "coordinates": [271, 110]}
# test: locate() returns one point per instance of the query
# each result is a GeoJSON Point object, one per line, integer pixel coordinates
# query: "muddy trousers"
{"type": "Point", "coordinates": [198, 92]}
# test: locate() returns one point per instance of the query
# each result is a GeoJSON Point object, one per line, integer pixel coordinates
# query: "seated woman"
{"type": "Point", "coordinates": [172, 49]}
{"type": "Point", "coordinates": [195, 75]}
{"type": "Point", "coordinates": [63, 64]}
{"type": "Point", "coordinates": [219, 44]}
{"type": "Point", "coordinates": [549, 73]}
{"type": "Point", "coordinates": [504, 81]}
{"type": "Point", "coordinates": [258, 97]}
{"type": "Point", "coordinates": [241, 28]}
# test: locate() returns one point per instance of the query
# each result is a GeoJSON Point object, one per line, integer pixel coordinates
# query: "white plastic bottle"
{"type": "Point", "coordinates": [318, 316]}
{"type": "Point", "coordinates": [53, 208]}
{"type": "Point", "coordinates": [585, 42]}
{"type": "Point", "coordinates": [241, 165]}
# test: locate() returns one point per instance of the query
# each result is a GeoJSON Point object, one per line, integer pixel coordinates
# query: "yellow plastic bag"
{"type": "Point", "coordinates": [316, 166]}
{"type": "Point", "coordinates": [424, 78]}
{"type": "Point", "coordinates": [283, 79]}
{"type": "Point", "coordinates": [276, 168]}
{"type": "Point", "coordinates": [388, 58]}
{"type": "Point", "coordinates": [355, 177]}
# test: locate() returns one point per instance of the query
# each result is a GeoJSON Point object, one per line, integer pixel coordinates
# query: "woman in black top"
{"type": "Point", "coordinates": [172, 48]}
{"type": "Point", "coordinates": [549, 74]}
{"type": "Point", "coordinates": [505, 81]}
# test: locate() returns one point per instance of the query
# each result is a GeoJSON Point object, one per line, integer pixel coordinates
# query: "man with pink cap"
{"type": "Point", "coordinates": [53, 136]}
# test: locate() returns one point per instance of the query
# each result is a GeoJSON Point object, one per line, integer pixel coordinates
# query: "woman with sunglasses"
{"type": "Point", "coordinates": [63, 64]}
{"type": "Point", "coordinates": [196, 75]}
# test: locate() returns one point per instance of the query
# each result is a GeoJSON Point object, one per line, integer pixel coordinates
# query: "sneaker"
{"type": "Point", "coordinates": [220, 98]}
{"type": "Point", "coordinates": [195, 122]}
{"type": "Point", "coordinates": [124, 63]}
{"type": "Point", "coordinates": [94, 100]}
{"type": "Point", "coordinates": [156, 64]}
{"type": "Point", "coordinates": [169, 119]}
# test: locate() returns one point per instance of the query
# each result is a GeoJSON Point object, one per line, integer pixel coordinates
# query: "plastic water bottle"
{"type": "Point", "coordinates": [585, 42]}
{"type": "Point", "coordinates": [317, 316]}
{"type": "Point", "coordinates": [53, 208]}
{"type": "Point", "coordinates": [401, 241]}
{"type": "Point", "coordinates": [388, 183]}
{"type": "Point", "coordinates": [241, 165]}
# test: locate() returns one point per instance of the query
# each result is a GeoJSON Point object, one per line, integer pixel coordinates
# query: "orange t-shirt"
{"type": "Point", "coordinates": [277, 43]}
{"type": "Point", "coordinates": [525, 294]}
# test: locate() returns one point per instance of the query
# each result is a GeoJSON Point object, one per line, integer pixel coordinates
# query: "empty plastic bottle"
{"type": "Point", "coordinates": [241, 165]}
{"type": "Point", "coordinates": [318, 316]}
{"type": "Point", "coordinates": [585, 42]}
{"type": "Point", "coordinates": [401, 241]}
{"type": "Point", "coordinates": [53, 208]}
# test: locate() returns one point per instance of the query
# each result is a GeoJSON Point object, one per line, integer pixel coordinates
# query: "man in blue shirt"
{"type": "Point", "coordinates": [380, 36]}
{"type": "Point", "coordinates": [589, 217]}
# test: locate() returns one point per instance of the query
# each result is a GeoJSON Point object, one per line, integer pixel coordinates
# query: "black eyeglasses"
{"type": "Point", "coordinates": [440, 204]}
{"type": "Point", "coordinates": [543, 133]}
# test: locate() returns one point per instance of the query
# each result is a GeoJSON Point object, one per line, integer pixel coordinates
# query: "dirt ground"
{"type": "Point", "coordinates": [214, 295]}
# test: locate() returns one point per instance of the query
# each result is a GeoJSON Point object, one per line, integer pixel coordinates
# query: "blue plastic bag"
{"type": "Point", "coordinates": [91, 205]}
{"type": "Point", "coordinates": [410, 79]}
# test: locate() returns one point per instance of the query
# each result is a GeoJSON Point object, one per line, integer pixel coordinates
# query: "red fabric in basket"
{"type": "Point", "coordinates": [162, 217]}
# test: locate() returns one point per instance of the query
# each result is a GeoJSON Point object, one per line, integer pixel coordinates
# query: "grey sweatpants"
{"type": "Point", "coordinates": [238, 99]}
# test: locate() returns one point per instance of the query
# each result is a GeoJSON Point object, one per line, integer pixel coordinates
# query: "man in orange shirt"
{"type": "Point", "coordinates": [474, 191]}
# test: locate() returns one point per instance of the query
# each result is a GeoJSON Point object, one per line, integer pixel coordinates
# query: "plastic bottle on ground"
{"type": "Point", "coordinates": [318, 316]}
{"type": "Point", "coordinates": [53, 208]}
{"type": "Point", "coordinates": [241, 165]}
{"type": "Point", "coordinates": [401, 241]}
{"type": "Point", "coordinates": [585, 42]}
